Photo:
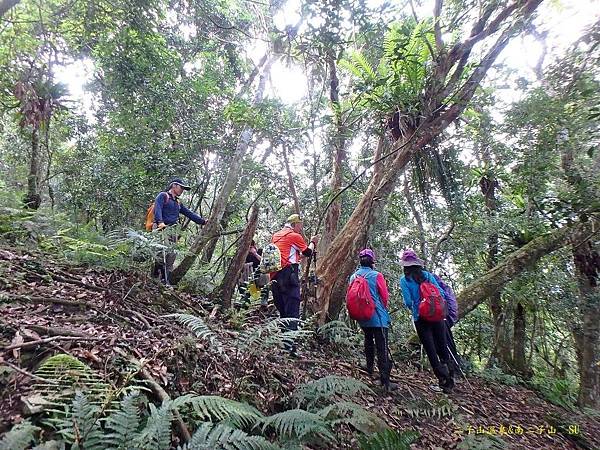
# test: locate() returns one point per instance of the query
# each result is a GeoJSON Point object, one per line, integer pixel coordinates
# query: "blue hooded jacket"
{"type": "Point", "coordinates": [410, 292]}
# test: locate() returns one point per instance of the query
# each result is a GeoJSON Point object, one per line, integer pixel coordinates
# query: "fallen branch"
{"type": "Point", "coordinates": [76, 282]}
{"type": "Point", "coordinates": [57, 331]}
{"type": "Point", "coordinates": [140, 317]}
{"type": "Point", "coordinates": [50, 339]}
{"type": "Point", "coordinates": [36, 299]}
{"type": "Point", "coordinates": [162, 395]}
{"type": "Point", "coordinates": [28, 374]}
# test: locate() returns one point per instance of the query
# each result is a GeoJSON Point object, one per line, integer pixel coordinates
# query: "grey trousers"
{"type": "Point", "coordinates": [165, 260]}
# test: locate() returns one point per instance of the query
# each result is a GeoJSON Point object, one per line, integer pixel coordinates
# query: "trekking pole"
{"type": "Point", "coordinates": [421, 351]}
{"type": "Point", "coordinates": [459, 368]}
{"type": "Point", "coordinates": [306, 282]}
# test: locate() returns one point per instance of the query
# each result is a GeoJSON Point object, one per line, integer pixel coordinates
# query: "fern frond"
{"type": "Point", "coordinates": [215, 408]}
{"type": "Point", "coordinates": [257, 340]}
{"type": "Point", "coordinates": [81, 426]}
{"type": "Point", "coordinates": [326, 387]}
{"type": "Point", "coordinates": [68, 375]}
{"type": "Point", "coordinates": [423, 408]}
{"type": "Point", "coordinates": [124, 423]}
{"type": "Point", "coordinates": [199, 328]}
{"type": "Point", "coordinates": [350, 67]}
{"type": "Point", "coordinates": [354, 415]}
{"type": "Point", "coordinates": [481, 442]}
{"type": "Point", "coordinates": [209, 436]}
{"type": "Point", "coordinates": [19, 437]}
{"type": "Point", "coordinates": [337, 331]}
{"type": "Point", "coordinates": [388, 440]}
{"type": "Point", "coordinates": [157, 432]}
{"type": "Point", "coordinates": [359, 59]}
{"type": "Point", "coordinates": [50, 445]}
{"type": "Point", "coordinates": [300, 424]}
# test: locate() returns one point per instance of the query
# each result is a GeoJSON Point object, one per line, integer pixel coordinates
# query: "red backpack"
{"type": "Point", "coordinates": [432, 307]}
{"type": "Point", "coordinates": [359, 301]}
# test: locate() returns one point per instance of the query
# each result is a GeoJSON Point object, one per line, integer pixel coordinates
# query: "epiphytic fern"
{"type": "Point", "coordinates": [354, 415]}
{"type": "Point", "coordinates": [214, 408]}
{"type": "Point", "coordinates": [20, 437]}
{"type": "Point", "coordinates": [125, 422]}
{"type": "Point", "coordinates": [209, 436]}
{"type": "Point", "coordinates": [388, 440]}
{"type": "Point", "coordinates": [298, 424]}
{"type": "Point", "coordinates": [327, 387]}
{"type": "Point", "coordinates": [199, 328]}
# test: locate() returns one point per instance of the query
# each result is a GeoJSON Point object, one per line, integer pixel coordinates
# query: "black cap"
{"type": "Point", "coordinates": [179, 182]}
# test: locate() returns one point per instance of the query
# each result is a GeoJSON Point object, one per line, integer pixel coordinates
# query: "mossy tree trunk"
{"type": "Point", "coordinates": [586, 257]}
{"type": "Point", "coordinates": [33, 198]}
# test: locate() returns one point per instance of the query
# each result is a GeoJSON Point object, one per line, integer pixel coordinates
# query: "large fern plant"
{"type": "Point", "coordinates": [327, 388]}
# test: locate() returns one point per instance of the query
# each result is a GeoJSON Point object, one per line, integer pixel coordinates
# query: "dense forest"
{"type": "Point", "coordinates": [465, 130]}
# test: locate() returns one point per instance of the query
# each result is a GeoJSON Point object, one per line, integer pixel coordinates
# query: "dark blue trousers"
{"type": "Point", "coordinates": [286, 294]}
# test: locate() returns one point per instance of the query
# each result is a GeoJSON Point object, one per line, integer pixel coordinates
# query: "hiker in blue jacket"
{"type": "Point", "coordinates": [167, 208]}
{"type": "Point", "coordinates": [431, 334]}
{"type": "Point", "coordinates": [376, 328]}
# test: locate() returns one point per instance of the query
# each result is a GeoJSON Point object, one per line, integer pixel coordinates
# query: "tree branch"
{"type": "Point", "coordinates": [439, 43]}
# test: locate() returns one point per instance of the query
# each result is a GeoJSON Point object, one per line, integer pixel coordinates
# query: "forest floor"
{"type": "Point", "coordinates": [107, 318]}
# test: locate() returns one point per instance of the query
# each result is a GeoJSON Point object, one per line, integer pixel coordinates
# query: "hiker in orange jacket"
{"type": "Point", "coordinates": [286, 282]}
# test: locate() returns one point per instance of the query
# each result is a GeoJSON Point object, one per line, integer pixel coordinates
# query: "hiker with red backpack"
{"type": "Point", "coordinates": [426, 299]}
{"type": "Point", "coordinates": [164, 213]}
{"type": "Point", "coordinates": [367, 299]}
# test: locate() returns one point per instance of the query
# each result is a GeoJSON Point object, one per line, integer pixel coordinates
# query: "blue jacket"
{"type": "Point", "coordinates": [381, 318]}
{"type": "Point", "coordinates": [410, 292]}
{"type": "Point", "coordinates": [168, 211]}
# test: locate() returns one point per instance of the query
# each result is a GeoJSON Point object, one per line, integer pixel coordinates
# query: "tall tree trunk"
{"type": "Point", "coordinates": [587, 266]}
{"type": "Point", "coordinates": [211, 229]}
{"type": "Point", "coordinates": [337, 137]}
{"type": "Point", "coordinates": [501, 349]}
{"type": "Point", "coordinates": [290, 178]}
{"type": "Point", "coordinates": [210, 247]}
{"type": "Point", "coordinates": [436, 114]}
{"type": "Point", "coordinates": [586, 258]}
{"type": "Point", "coordinates": [227, 288]}
{"type": "Point", "coordinates": [33, 199]}
{"type": "Point", "coordinates": [519, 362]}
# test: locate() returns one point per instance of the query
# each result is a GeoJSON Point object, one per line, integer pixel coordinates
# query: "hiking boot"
{"type": "Point", "coordinates": [369, 370]}
{"type": "Point", "coordinates": [435, 388]}
{"type": "Point", "coordinates": [388, 386]}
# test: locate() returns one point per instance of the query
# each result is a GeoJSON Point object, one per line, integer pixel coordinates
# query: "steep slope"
{"type": "Point", "coordinates": [111, 320]}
